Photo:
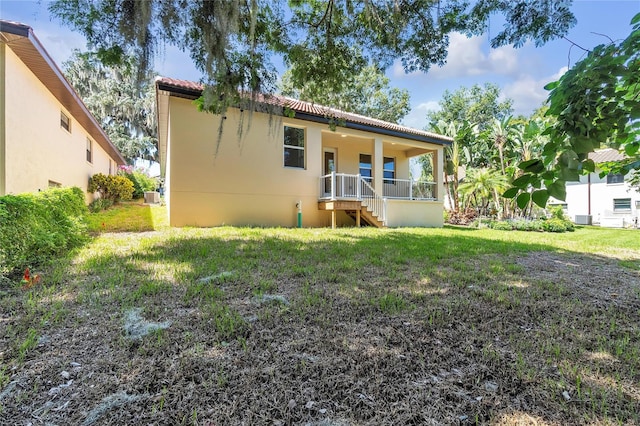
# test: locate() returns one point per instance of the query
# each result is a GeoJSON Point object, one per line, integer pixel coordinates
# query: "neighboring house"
{"type": "Point", "coordinates": [608, 201]}
{"type": "Point", "coordinates": [290, 158]}
{"type": "Point", "coordinates": [48, 138]}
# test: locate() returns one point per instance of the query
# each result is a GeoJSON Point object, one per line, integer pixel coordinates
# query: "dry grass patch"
{"type": "Point", "coordinates": [346, 327]}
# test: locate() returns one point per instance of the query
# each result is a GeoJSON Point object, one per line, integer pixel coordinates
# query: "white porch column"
{"type": "Point", "coordinates": [314, 150]}
{"type": "Point", "coordinates": [377, 165]}
{"type": "Point", "coordinates": [438, 175]}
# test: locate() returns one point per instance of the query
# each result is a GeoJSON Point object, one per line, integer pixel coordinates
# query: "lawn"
{"type": "Point", "coordinates": [328, 327]}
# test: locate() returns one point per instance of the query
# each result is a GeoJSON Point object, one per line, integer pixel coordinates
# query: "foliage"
{"type": "Point", "coordinates": [122, 98]}
{"type": "Point", "coordinates": [36, 227]}
{"type": "Point", "coordinates": [111, 187]}
{"type": "Point", "coordinates": [142, 182]}
{"type": "Point", "coordinates": [537, 225]}
{"type": "Point", "coordinates": [481, 187]}
{"type": "Point", "coordinates": [327, 42]}
{"type": "Point", "coordinates": [477, 105]}
{"type": "Point", "coordinates": [366, 93]}
{"type": "Point", "coordinates": [100, 204]}
{"type": "Point", "coordinates": [597, 101]}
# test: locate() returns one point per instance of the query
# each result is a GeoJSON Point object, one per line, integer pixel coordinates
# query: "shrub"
{"type": "Point", "coordinates": [36, 227]}
{"type": "Point", "coordinates": [557, 212]}
{"type": "Point", "coordinates": [100, 204]}
{"type": "Point", "coordinates": [114, 188]}
{"type": "Point", "coordinates": [501, 225]}
{"type": "Point", "coordinates": [141, 181]}
{"type": "Point", "coordinates": [557, 225]}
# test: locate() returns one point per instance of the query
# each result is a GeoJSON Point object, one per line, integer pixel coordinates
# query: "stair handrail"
{"type": "Point", "coordinates": [373, 201]}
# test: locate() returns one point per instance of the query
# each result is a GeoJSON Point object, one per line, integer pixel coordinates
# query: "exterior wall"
{"type": "Point", "coordinates": [37, 149]}
{"type": "Point", "coordinates": [245, 182]}
{"type": "Point", "coordinates": [602, 196]}
{"type": "Point", "coordinates": [414, 213]}
{"type": "Point", "coordinates": [241, 180]}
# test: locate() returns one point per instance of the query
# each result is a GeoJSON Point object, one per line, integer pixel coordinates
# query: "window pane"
{"type": "Point", "coordinates": [365, 161]}
{"type": "Point", "coordinates": [294, 157]}
{"type": "Point", "coordinates": [64, 121]}
{"type": "Point", "coordinates": [615, 178]}
{"type": "Point", "coordinates": [389, 164]}
{"type": "Point", "coordinates": [389, 175]}
{"type": "Point", "coordinates": [622, 204]}
{"type": "Point", "coordinates": [365, 173]}
{"type": "Point", "coordinates": [294, 136]}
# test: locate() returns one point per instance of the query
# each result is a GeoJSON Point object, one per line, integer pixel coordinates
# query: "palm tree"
{"type": "Point", "coordinates": [481, 186]}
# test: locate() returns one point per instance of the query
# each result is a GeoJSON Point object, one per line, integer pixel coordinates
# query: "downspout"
{"type": "Point", "coordinates": [3, 119]}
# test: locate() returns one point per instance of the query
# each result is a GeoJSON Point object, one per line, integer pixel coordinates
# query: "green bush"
{"type": "Point", "coordinates": [557, 225]}
{"type": "Point", "coordinates": [36, 227]}
{"type": "Point", "coordinates": [141, 182]}
{"type": "Point", "coordinates": [501, 225]}
{"type": "Point", "coordinates": [110, 187]}
{"type": "Point", "coordinates": [100, 204]}
{"type": "Point", "coordinates": [527, 225]}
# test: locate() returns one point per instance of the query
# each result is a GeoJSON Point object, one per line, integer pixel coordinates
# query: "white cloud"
{"type": "Point", "coordinates": [528, 93]}
{"type": "Point", "coordinates": [470, 56]}
{"type": "Point", "coordinates": [417, 117]}
{"type": "Point", "coordinates": [60, 43]}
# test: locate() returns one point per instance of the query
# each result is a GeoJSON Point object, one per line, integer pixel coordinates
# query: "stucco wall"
{"type": "Point", "coordinates": [240, 179]}
{"type": "Point", "coordinates": [414, 213]}
{"type": "Point", "coordinates": [38, 149]}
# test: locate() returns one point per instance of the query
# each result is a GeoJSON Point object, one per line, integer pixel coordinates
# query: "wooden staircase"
{"type": "Point", "coordinates": [359, 212]}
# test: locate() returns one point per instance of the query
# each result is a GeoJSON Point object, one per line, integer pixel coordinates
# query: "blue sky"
{"type": "Point", "coordinates": [520, 73]}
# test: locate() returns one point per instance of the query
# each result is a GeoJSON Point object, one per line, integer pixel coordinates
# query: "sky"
{"type": "Point", "coordinates": [520, 73]}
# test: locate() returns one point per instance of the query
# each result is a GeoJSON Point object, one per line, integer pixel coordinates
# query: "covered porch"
{"type": "Point", "coordinates": [370, 180]}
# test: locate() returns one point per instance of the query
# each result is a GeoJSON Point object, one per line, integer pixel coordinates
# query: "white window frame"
{"type": "Point", "coordinates": [618, 209]}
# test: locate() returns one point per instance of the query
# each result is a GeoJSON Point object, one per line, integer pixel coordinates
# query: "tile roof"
{"type": "Point", "coordinates": [312, 109]}
{"type": "Point", "coordinates": [604, 155]}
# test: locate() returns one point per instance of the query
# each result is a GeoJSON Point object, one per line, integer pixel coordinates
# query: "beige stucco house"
{"type": "Point", "coordinates": [48, 138]}
{"type": "Point", "coordinates": [265, 168]}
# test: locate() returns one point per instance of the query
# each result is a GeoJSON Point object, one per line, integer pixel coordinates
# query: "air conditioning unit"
{"type": "Point", "coordinates": [583, 219]}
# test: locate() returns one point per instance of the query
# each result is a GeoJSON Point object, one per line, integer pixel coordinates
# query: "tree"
{"type": "Point", "coordinates": [596, 102]}
{"type": "Point", "coordinates": [233, 42]}
{"type": "Point", "coordinates": [123, 104]}
{"type": "Point", "coordinates": [367, 93]}
{"type": "Point", "coordinates": [481, 186]}
{"type": "Point", "coordinates": [479, 105]}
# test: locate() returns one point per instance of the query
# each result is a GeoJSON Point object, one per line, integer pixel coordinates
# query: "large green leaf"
{"type": "Point", "coordinates": [522, 181]}
{"type": "Point", "coordinates": [540, 197]}
{"type": "Point", "coordinates": [511, 192]}
{"type": "Point", "coordinates": [532, 166]}
{"type": "Point", "coordinates": [558, 190]}
{"type": "Point", "coordinates": [523, 199]}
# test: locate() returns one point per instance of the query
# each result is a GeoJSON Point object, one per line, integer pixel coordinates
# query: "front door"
{"type": "Point", "coordinates": [329, 166]}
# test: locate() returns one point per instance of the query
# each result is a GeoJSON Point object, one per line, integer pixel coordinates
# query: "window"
{"type": "Point", "coordinates": [365, 167]}
{"type": "Point", "coordinates": [611, 178]}
{"type": "Point", "coordinates": [53, 184]}
{"type": "Point", "coordinates": [389, 169]}
{"type": "Point", "coordinates": [293, 147]}
{"type": "Point", "coordinates": [65, 122]}
{"type": "Point", "coordinates": [89, 150]}
{"type": "Point", "coordinates": [621, 204]}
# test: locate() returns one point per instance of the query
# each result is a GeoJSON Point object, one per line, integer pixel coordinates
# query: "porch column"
{"type": "Point", "coordinates": [377, 166]}
{"type": "Point", "coordinates": [438, 175]}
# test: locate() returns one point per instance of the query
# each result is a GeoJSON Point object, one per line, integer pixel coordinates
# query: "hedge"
{"type": "Point", "coordinates": [34, 228]}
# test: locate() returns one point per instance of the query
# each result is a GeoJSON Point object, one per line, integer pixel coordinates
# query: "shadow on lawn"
{"type": "Point", "coordinates": [472, 330]}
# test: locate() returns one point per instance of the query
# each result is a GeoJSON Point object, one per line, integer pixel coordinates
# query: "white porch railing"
{"type": "Point", "coordinates": [337, 186]}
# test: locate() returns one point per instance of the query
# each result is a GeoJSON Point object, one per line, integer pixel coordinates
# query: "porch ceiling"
{"type": "Point", "coordinates": [411, 148]}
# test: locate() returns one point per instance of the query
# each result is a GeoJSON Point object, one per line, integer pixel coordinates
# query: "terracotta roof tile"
{"type": "Point", "coordinates": [604, 155]}
{"type": "Point", "coordinates": [314, 109]}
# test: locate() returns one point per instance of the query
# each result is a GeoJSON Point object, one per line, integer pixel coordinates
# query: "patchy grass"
{"type": "Point", "coordinates": [314, 326]}
{"type": "Point", "coordinates": [131, 216]}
